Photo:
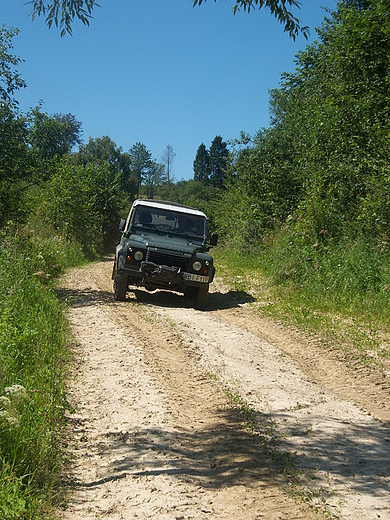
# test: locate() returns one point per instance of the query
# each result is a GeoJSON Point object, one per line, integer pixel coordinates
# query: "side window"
{"type": "Point", "coordinates": [129, 219]}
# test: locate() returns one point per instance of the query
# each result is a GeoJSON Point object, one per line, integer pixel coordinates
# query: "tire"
{"type": "Point", "coordinates": [201, 297]}
{"type": "Point", "coordinates": [120, 287]}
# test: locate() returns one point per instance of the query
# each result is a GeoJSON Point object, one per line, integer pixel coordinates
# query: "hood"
{"type": "Point", "coordinates": [169, 243]}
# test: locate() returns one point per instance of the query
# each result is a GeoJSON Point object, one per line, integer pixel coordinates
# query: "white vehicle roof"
{"type": "Point", "coordinates": [173, 206]}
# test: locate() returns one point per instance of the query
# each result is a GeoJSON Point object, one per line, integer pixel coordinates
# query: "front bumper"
{"type": "Point", "coordinates": [154, 276]}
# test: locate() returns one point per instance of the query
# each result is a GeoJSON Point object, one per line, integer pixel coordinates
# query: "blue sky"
{"type": "Point", "coordinates": [159, 71]}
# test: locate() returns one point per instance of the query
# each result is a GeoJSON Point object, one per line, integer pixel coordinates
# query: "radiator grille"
{"type": "Point", "coordinates": [170, 259]}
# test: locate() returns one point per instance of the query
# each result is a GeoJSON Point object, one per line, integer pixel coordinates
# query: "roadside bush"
{"type": "Point", "coordinates": [33, 361]}
{"type": "Point", "coordinates": [240, 221]}
{"type": "Point", "coordinates": [81, 203]}
{"type": "Point", "coordinates": [352, 272]}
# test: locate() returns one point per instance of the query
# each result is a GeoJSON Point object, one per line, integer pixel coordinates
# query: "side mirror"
{"type": "Point", "coordinates": [122, 225]}
{"type": "Point", "coordinates": [213, 239]}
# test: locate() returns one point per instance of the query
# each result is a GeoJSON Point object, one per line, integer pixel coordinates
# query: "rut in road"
{"type": "Point", "coordinates": [156, 437]}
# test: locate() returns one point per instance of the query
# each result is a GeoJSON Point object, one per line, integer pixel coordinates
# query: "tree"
{"type": "Point", "coordinates": [15, 166]}
{"type": "Point", "coordinates": [197, 195]}
{"type": "Point", "coordinates": [14, 157]}
{"type": "Point", "coordinates": [201, 165]}
{"type": "Point", "coordinates": [63, 12]}
{"type": "Point", "coordinates": [103, 150]}
{"type": "Point", "coordinates": [278, 8]}
{"type": "Point", "coordinates": [324, 162]}
{"type": "Point", "coordinates": [140, 163]}
{"type": "Point", "coordinates": [218, 159]}
{"type": "Point", "coordinates": [167, 160]}
{"type": "Point", "coordinates": [53, 135]}
{"type": "Point", "coordinates": [10, 79]}
{"type": "Point", "coordinates": [154, 178]}
{"type": "Point", "coordinates": [83, 203]}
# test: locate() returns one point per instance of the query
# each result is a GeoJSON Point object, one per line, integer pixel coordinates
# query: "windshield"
{"type": "Point", "coordinates": [174, 222]}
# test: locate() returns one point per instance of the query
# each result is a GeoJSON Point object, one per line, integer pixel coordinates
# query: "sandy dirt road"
{"type": "Point", "coordinates": [185, 414]}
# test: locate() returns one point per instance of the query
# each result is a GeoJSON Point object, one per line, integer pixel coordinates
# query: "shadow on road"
{"type": "Point", "coordinates": [216, 301]}
{"type": "Point", "coordinates": [219, 455]}
{"type": "Point", "coordinates": [82, 297]}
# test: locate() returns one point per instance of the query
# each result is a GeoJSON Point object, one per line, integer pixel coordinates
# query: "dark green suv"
{"type": "Point", "coordinates": [163, 246]}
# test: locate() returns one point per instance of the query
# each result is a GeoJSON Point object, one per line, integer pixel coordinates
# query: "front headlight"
{"type": "Point", "coordinates": [197, 266]}
{"type": "Point", "coordinates": [138, 255]}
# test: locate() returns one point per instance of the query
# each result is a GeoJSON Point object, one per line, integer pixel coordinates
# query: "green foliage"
{"type": "Point", "coordinates": [102, 150]}
{"type": "Point", "coordinates": [83, 203]}
{"type": "Point", "coordinates": [324, 162]}
{"type": "Point", "coordinates": [218, 160]}
{"type": "Point", "coordinates": [15, 167]}
{"type": "Point", "coordinates": [341, 88]}
{"type": "Point", "coordinates": [201, 164]}
{"type": "Point", "coordinates": [210, 165]}
{"type": "Point", "coordinates": [14, 163]}
{"type": "Point", "coordinates": [309, 198]}
{"type": "Point", "coordinates": [352, 270]}
{"type": "Point", "coordinates": [195, 194]}
{"type": "Point", "coordinates": [278, 8]}
{"type": "Point", "coordinates": [264, 184]}
{"type": "Point", "coordinates": [10, 79]}
{"type": "Point", "coordinates": [141, 163]}
{"type": "Point", "coordinates": [33, 360]}
{"type": "Point", "coordinates": [153, 179]}
{"type": "Point", "coordinates": [51, 136]}
{"type": "Point", "coordinates": [12, 501]}
{"type": "Point", "coordinates": [238, 220]}
{"type": "Point", "coordinates": [63, 12]}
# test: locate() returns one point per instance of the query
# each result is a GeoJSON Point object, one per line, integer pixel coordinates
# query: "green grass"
{"type": "Point", "coordinates": [338, 291]}
{"type": "Point", "coordinates": [34, 356]}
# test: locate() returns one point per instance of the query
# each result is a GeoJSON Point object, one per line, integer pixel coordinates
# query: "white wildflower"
{"type": "Point", "coordinates": [12, 421]}
{"type": "Point", "coordinates": [4, 402]}
{"type": "Point", "coordinates": [15, 390]}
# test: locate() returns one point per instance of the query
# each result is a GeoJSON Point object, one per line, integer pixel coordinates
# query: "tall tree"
{"type": "Point", "coordinates": [201, 165]}
{"type": "Point", "coordinates": [15, 164]}
{"type": "Point", "coordinates": [102, 150]}
{"type": "Point", "coordinates": [83, 203]}
{"type": "Point", "coordinates": [325, 160]}
{"type": "Point", "coordinates": [53, 135]}
{"type": "Point", "coordinates": [218, 159]}
{"type": "Point", "coordinates": [140, 163]}
{"type": "Point", "coordinates": [154, 178]}
{"type": "Point", "coordinates": [14, 156]}
{"type": "Point", "coordinates": [167, 160]}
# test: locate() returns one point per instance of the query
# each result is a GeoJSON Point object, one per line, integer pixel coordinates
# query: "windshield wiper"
{"type": "Point", "coordinates": [145, 225]}
{"type": "Point", "coordinates": [179, 232]}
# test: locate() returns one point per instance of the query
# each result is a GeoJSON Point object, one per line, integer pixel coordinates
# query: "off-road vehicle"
{"type": "Point", "coordinates": [164, 246]}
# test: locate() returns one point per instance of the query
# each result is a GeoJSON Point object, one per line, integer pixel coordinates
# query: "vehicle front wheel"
{"type": "Point", "coordinates": [120, 287]}
{"type": "Point", "coordinates": [201, 297]}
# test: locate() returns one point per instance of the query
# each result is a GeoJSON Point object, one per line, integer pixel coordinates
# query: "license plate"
{"type": "Point", "coordinates": [195, 277]}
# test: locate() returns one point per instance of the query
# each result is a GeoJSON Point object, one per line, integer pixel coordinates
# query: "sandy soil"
{"type": "Point", "coordinates": [160, 432]}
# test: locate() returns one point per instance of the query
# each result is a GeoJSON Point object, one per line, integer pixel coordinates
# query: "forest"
{"type": "Point", "coordinates": [304, 204]}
